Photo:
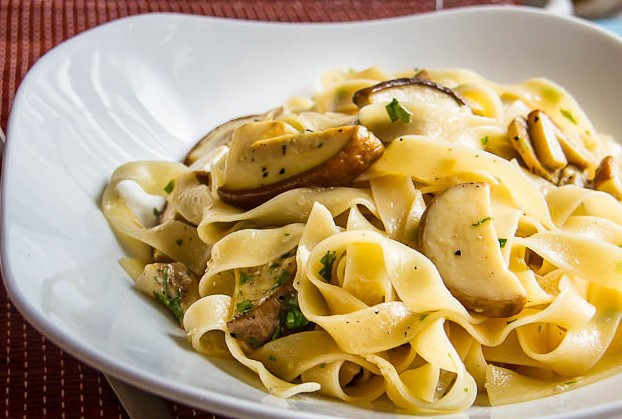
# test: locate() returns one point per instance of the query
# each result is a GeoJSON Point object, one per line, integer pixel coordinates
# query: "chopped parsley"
{"type": "Point", "coordinates": [164, 297]}
{"type": "Point", "coordinates": [272, 358]}
{"type": "Point", "coordinates": [482, 221]}
{"type": "Point", "coordinates": [322, 365]}
{"type": "Point", "coordinates": [422, 316]}
{"type": "Point", "coordinates": [244, 278]}
{"type": "Point", "coordinates": [244, 307]}
{"type": "Point", "coordinates": [291, 316]}
{"type": "Point", "coordinates": [170, 186]}
{"type": "Point", "coordinates": [327, 261]}
{"type": "Point", "coordinates": [502, 242]}
{"type": "Point", "coordinates": [156, 212]}
{"type": "Point", "coordinates": [484, 140]}
{"type": "Point", "coordinates": [397, 112]}
{"type": "Point", "coordinates": [568, 115]}
{"type": "Point", "coordinates": [295, 319]}
{"type": "Point", "coordinates": [282, 278]}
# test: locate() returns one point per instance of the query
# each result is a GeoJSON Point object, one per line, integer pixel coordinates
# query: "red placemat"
{"type": "Point", "coordinates": [37, 379]}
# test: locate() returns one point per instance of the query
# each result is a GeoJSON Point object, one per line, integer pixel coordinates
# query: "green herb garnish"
{"type": "Point", "coordinates": [170, 186]}
{"type": "Point", "coordinates": [484, 140]}
{"type": "Point", "coordinates": [282, 278]}
{"type": "Point", "coordinates": [482, 221]}
{"type": "Point", "coordinates": [397, 112]}
{"type": "Point", "coordinates": [423, 316]}
{"type": "Point", "coordinates": [173, 304]}
{"type": "Point", "coordinates": [156, 212]}
{"type": "Point", "coordinates": [244, 307]}
{"type": "Point", "coordinates": [327, 261]}
{"type": "Point", "coordinates": [244, 278]}
{"type": "Point", "coordinates": [272, 358]}
{"type": "Point", "coordinates": [502, 242]}
{"type": "Point", "coordinates": [293, 317]}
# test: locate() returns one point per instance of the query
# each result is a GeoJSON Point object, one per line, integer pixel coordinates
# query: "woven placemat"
{"type": "Point", "coordinates": [37, 379]}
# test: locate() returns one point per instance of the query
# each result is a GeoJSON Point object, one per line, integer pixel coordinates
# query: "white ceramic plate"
{"type": "Point", "coordinates": [148, 87]}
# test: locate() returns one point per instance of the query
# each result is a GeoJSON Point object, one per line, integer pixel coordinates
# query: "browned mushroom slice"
{"type": "Point", "coordinates": [408, 90]}
{"type": "Point", "coordinates": [266, 303]}
{"type": "Point", "coordinates": [607, 178]}
{"type": "Point", "coordinates": [255, 325]}
{"type": "Point", "coordinates": [520, 138]}
{"type": "Point", "coordinates": [544, 140]}
{"type": "Point", "coordinates": [572, 175]}
{"type": "Point", "coordinates": [221, 135]}
{"type": "Point", "coordinates": [171, 284]}
{"type": "Point", "coordinates": [266, 168]}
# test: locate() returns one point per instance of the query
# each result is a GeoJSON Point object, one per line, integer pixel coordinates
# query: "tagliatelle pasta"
{"type": "Point", "coordinates": [419, 238]}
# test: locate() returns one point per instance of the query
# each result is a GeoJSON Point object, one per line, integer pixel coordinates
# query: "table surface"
{"type": "Point", "coordinates": [37, 379]}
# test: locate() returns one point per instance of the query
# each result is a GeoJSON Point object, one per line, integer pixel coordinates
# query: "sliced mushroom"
{"type": "Point", "coordinates": [458, 235]}
{"type": "Point", "coordinates": [221, 135]}
{"type": "Point", "coordinates": [572, 175]}
{"type": "Point", "coordinates": [521, 140]}
{"type": "Point", "coordinates": [266, 168]}
{"type": "Point", "coordinates": [576, 154]}
{"type": "Point", "coordinates": [266, 303]}
{"type": "Point", "coordinates": [607, 178]}
{"type": "Point", "coordinates": [172, 284]}
{"type": "Point", "coordinates": [340, 97]}
{"type": "Point", "coordinates": [408, 90]}
{"type": "Point", "coordinates": [544, 140]}
{"type": "Point", "coordinates": [423, 74]}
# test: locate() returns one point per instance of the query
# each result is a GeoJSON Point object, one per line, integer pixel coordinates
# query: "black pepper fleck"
{"type": "Point", "coordinates": [458, 252]}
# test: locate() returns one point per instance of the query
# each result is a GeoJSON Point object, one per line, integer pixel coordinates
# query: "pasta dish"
{"type": "Point", "coordinates": [420, 237]}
